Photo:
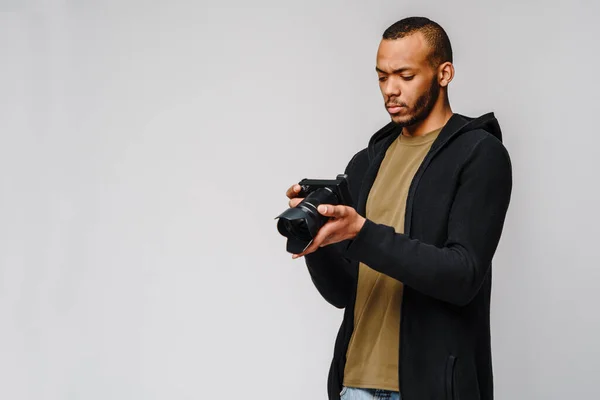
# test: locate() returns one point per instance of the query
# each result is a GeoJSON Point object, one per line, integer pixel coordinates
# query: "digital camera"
{"type": "Point", "coordinates": [300, 224]}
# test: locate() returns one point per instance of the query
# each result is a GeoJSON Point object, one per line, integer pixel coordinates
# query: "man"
{"type": "Point", "coordinates": [411, 261]}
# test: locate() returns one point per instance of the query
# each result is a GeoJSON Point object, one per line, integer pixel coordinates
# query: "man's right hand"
{"type": "Point", "coordinates": [292, 194]}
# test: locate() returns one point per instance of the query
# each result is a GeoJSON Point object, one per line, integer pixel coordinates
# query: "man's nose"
{"type": "Point", "coordinates": [391, 88]}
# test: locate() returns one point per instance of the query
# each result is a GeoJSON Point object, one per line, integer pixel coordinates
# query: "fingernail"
{"type": "Point", "coordinates": [322, 209]}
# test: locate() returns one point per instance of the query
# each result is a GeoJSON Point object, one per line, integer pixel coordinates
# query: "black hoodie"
{"type": "Point", "coordinates": [455, 212]}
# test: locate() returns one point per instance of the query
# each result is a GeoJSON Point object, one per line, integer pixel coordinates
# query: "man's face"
{"type": "Point", "coordinates": [407, 81]}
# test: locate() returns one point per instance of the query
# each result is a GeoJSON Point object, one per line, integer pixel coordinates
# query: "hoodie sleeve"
{"type": "Point", "coordinates": [331, 272]}
{"type": "Point", "coordinates": [454, 272]}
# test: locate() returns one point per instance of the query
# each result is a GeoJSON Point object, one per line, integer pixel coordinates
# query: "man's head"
{"type": "Point", "coordinates": [414, 65]}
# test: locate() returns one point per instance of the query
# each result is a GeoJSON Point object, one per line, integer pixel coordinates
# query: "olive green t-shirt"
{"type": "Point", "coordinates": [373, 351]}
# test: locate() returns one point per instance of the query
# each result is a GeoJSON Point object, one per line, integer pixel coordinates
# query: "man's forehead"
{"type": "Point", "coordinates": [412, 49]}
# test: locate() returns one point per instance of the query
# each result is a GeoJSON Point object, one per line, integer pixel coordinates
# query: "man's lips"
{"type": "Point", "coordinates": [394, 108]}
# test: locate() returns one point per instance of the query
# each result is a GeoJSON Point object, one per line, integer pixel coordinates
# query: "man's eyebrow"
{"type": "Point", "coordinates": [396, 71]}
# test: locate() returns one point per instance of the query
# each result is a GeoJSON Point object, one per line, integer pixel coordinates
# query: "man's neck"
{"type": "Point", "coordinates": [435, 120]}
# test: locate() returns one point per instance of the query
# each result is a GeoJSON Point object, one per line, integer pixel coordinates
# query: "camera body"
{"type": "Point", "coordinates": [339, 186]}
{"type": "Point", "coordinates": [300, 224]}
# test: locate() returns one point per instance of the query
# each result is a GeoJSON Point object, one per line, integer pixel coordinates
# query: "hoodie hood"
{"type": "Point", "coordinates": [457, 124]}
{"type": "Point", "coordinates": [487, 122]}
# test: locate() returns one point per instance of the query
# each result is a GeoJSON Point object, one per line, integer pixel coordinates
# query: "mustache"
{"type": "Point", "coordinates": [396, 105]}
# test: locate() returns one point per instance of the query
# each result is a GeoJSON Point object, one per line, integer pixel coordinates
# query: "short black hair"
{"type": "Point", "coordinates": [441, 50]}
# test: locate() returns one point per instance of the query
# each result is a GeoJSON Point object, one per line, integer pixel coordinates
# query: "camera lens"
{"type": "Point", "coordinates": [304, 221]}
{"type": "Point", "coordinates": [297, 228]}
{"type": "Point", "coordinates": [300, 224]}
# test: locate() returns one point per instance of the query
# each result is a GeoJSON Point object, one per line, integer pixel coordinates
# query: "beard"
{"type": "Point", "coordinates": [422, 107]}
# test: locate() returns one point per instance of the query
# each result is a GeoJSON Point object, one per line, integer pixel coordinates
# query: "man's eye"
{"type": "Point", "coordinates": [408, 78]}
{"type": "Point", "coordinates": [381, 78]}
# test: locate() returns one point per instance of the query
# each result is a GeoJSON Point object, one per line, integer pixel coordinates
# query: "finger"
{"type": "Point", "coordinates": [330, 232]}
{"type": "Point", "coordinates": [293, 191]}
{"type": "Point", "coordinates": [327, 231]}
{"type": "Point", "coordinates": [324, 232]}
{"type": "Point", "coordinates": [313, 246]}
{"type": "Point", "coordinates": [295, 202]}
{"type": "Point", "coordinates": [328, 240]}
{"type": "Point", "coordinates": [333, 211]}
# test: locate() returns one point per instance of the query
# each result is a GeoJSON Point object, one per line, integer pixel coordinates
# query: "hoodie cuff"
{"type": "Point", "coordinates": [361, 243]}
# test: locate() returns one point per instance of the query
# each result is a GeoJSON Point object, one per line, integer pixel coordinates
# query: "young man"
{"type": "Point", "coordinates": [411, 261]}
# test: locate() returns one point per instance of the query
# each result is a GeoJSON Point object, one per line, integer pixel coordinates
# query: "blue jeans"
{"type": "Point", "coordinates": [349, 393]}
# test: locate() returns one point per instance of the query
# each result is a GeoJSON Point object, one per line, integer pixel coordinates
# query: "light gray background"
{"type": "Point", "coordinates": [145, 149]}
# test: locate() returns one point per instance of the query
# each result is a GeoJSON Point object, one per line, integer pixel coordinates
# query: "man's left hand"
{"type": "Point", "coordinates": [345, 223]}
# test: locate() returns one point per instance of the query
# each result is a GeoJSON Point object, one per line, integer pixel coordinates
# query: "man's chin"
{"type": "Point", "coordinates": [403, 120]}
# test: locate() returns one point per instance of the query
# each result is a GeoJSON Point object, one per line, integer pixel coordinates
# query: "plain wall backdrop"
{"type": "Point", "coordinates": [145, 150]}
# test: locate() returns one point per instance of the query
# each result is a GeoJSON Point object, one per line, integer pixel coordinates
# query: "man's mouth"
{"type": "Point", "coordinates": [394, 108]}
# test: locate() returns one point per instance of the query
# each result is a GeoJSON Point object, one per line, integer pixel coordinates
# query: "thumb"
{"type": "Point", "coordinates": [327, 209]}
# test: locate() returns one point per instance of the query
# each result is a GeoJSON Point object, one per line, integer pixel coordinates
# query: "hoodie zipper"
{"type": "Point", "coordinates": [433, 151]}
{"type": "Point", "coordinates": [378, 159]}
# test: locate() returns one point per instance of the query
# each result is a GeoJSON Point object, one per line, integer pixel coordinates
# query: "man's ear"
{"type": "Point", "coordinates": [445, 73]}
